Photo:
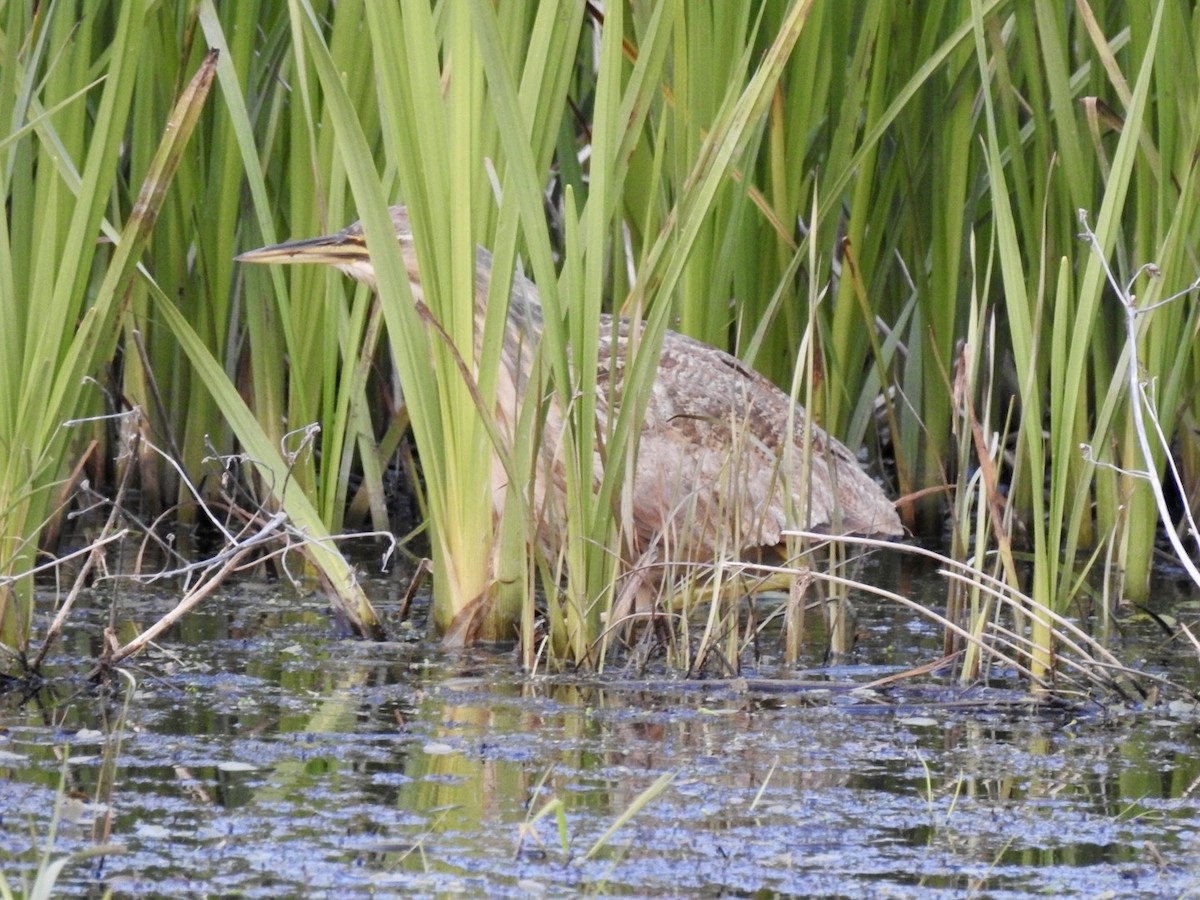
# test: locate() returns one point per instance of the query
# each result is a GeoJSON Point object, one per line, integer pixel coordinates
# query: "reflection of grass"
{"type": "Point", "coordinates": [49, 867]}
{"type": "Point", "coordinates": [934, 824]}
{"type": "Point", "coordinates": [555, 807]}
{"type": "Point", "coordinates": [941, 824]}
{"type": "Point", "coordinates": [639, 803]}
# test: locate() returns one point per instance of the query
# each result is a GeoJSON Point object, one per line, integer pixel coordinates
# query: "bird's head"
{"type": "Point", "coordinates": [346, 250]}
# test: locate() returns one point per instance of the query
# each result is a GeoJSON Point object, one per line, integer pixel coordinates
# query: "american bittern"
{"type": "Point", "coordinates": [708, 474]}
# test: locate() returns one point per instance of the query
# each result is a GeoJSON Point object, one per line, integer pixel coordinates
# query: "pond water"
{"type": "Point", "coordinates": [259, 755]}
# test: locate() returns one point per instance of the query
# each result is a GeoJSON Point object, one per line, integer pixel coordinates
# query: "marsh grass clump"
{"type": "Point", "coordinates": [876, 209]}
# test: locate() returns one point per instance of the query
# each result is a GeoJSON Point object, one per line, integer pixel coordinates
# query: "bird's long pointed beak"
{"type": "Point", "coordinates": [332, 249]}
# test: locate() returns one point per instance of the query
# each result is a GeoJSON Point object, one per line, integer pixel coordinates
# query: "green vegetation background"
{"type": "Point", "coordinates": [877, 205]}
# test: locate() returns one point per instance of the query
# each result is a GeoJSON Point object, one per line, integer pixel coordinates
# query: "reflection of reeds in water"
{"type": "Point", "coordinates": [627, 745]}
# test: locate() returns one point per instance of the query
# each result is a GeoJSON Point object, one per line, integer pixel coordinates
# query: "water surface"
{"type": "Point", "coordinates": [263, 756]}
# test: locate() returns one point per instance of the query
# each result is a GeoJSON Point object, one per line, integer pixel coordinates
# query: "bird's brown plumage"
{"type": "Point", "coordinates": [714, 467]}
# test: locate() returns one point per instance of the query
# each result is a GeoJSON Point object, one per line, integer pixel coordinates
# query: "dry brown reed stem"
{"type": "Point", "coordinates": [1191, 637]}
{"type": "Point", "coordinates": [1095, 661]}
{"type": "Point", "coordinates": [271, 528]}
{"type": "Point", "coordinates": [85, 570]}
{"type": "Point", "coordinates": [58, 561]}
{"type": "Point", "coordinates": [188, 569]}
{"type": "Point", "coordinates": [232, 560]}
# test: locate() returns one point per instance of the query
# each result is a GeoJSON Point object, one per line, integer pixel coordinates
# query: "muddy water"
{"type": "Point", "coordinates": [262, 756]}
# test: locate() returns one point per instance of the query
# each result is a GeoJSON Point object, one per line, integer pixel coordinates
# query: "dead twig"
{"type": "Point", "coordinates": [233, 559]}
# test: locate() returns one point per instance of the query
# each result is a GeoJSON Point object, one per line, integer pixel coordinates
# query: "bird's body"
{"type": "Point", "coordinates": [714, 468]}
